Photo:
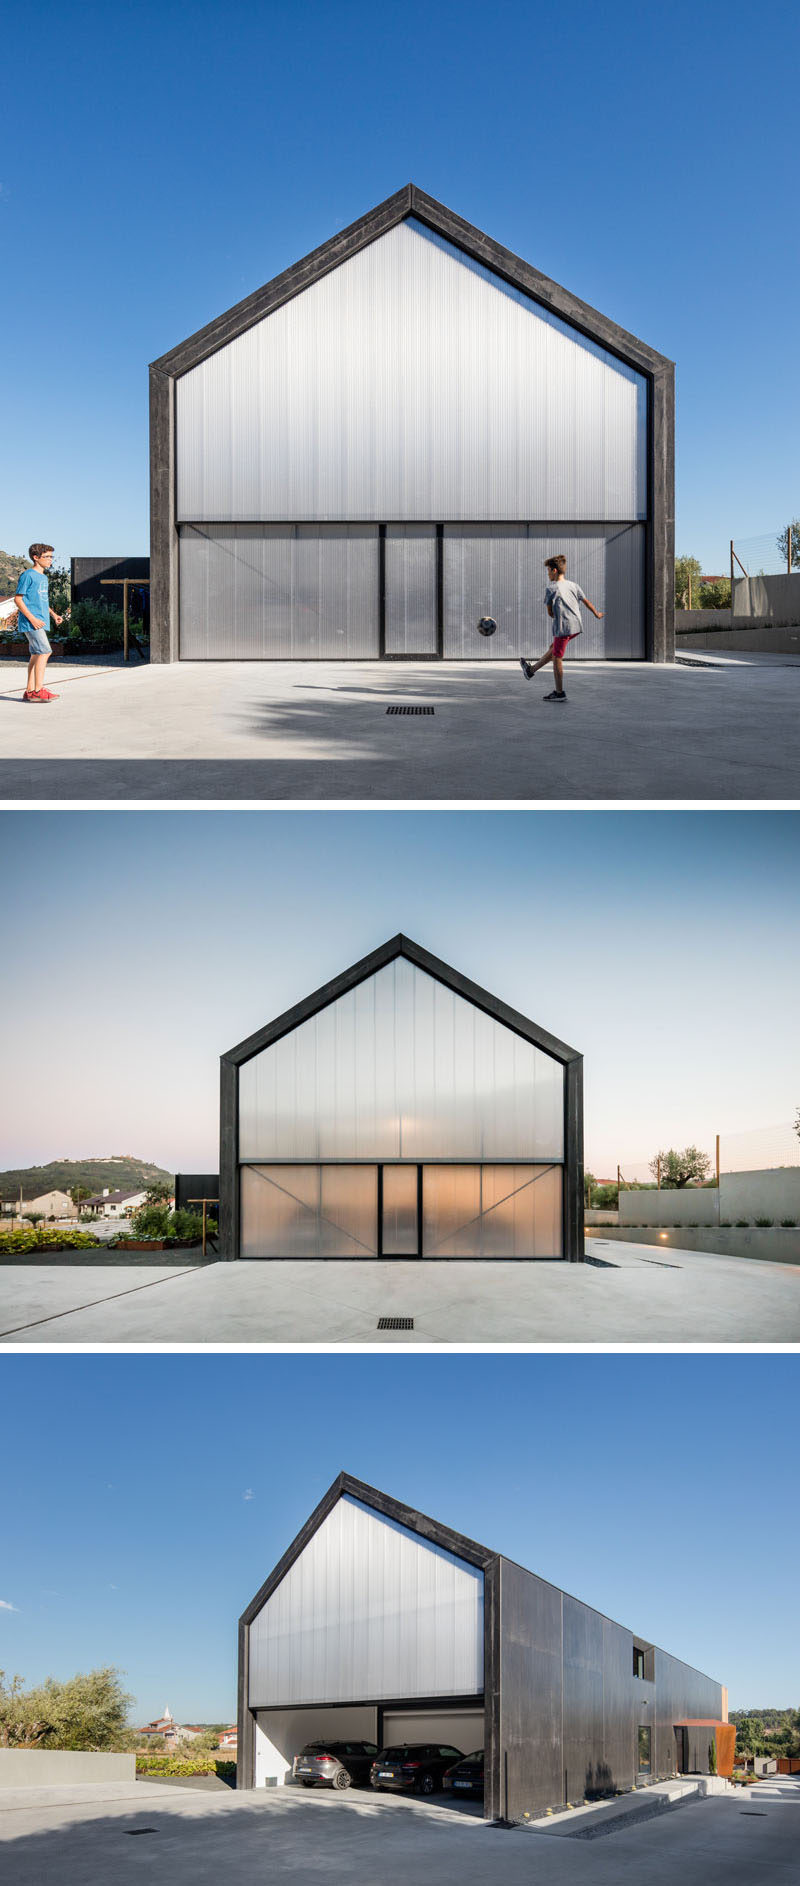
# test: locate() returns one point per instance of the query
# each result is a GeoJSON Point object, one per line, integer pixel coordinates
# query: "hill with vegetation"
{"type": "Point", "coordinates": [117, 1171]}
{"type": "Point", "coordinates": [767, 1731]}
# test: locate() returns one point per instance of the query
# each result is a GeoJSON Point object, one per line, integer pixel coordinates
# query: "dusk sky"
{"type": "Point", "coordinates": [139, 946]}
{"type": "Point", "coordinates": [141, 1530]}
{"type": "Point", "coordinates": [644, 158]}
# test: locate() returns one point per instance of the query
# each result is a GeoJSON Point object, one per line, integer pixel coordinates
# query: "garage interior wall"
{"type": "Point", "coordinates": [463, 1727]}
{"type": "Point", "coordinates": [281, 1733]}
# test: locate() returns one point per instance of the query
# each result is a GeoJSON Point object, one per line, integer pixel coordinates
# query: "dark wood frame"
{"type": "Point", "coordinates": [568, 1058]}
{"type": "Point", "coordinates": [658, 371]}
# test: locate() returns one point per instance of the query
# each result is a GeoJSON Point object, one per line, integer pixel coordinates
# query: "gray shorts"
{"type": "Point", "coordinates": [37, 641]}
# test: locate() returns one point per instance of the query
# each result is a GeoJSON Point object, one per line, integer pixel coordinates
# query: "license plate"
{"type": "Point", "coordinates": [386, 1774]}
{"type": "Point", "coordinates": [303, 1768]}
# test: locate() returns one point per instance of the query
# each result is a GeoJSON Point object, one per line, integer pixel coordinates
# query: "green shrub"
{"type": "Point", "coordinates": [742, 1221]}
{"type": "Point", "coordinates": [95, 622]}
{"type": "Point", "coordinates": [13, 1242]}
{"type": "Point", "coordinates": [176, 1764]}
{"type": "Point", "coordinates": [725, 1224]}
{"type": "Point", "coordinates": [765, 1222]}
{"type": "Point", "coordinates": [605, 1198]}
{"type": "Point", "coordinates": [789, 1223]}
{"type": "Point", "coordinates": [151, 1221]}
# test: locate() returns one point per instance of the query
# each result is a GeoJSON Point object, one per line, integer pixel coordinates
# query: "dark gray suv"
{"type": "Point", "coordinates": [334, 1763]}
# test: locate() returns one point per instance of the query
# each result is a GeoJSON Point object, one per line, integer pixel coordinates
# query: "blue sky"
{"type": "Point", "coordinates": [151, 1496]}
{"type": "Point", "coordinates": [663, 945]}
{"type": "Point", "coordinates": [165, 160]}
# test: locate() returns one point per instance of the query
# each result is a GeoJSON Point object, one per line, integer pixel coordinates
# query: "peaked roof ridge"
{"type": "Point", "coordinates": [369, 965]}
{"type": "Point", "coordinates": [411, 200]}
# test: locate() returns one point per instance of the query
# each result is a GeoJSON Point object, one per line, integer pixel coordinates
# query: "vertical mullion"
{"type": "Point", "coordinates": [440, 591]}
{"type": "Point", "coordinates": [381, 590]}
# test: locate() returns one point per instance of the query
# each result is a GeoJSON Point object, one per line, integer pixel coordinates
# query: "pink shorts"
{"type": "Point", "coordinates": [560, 642]}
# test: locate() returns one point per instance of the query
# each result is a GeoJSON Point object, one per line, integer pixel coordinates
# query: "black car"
{"type": "Point", "coordinates": [417, 1767]}
{"type": "Point", "coordinates": [467, 1776]}
{"type": "Point", "coordinates": [334, 1763]}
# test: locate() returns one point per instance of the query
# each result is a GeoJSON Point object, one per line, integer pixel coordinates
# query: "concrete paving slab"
{"type": "Point", "coordinates": [281, 730]}
{"type": "Point", "coordinates": [631, 1296]}
{"type": "Point", "coordinates": [196, 1838]}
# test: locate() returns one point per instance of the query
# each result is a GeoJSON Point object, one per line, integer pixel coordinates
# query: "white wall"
{"type": "Point", "coordinates": [697, 1206]}
{"type": "Point", "coordinates": [411, 383]}
{"type": "Point", "coordinates": [56, 1768]}
{"type": "Point", "coordinates": [281, 1733]}
{"type": "Point", "coordinates": [369, 1609]}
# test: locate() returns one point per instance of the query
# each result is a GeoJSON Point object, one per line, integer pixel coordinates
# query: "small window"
{"type": "Point", "coordinates": [638, 1662]}
{"type": "Point", "coordinates": [644, 1749]}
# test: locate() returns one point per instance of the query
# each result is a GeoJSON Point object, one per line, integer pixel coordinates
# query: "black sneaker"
{"type": "Point", "coordinates": [526, 666]}
{"type": "Point", "coordinates": [554, 696]}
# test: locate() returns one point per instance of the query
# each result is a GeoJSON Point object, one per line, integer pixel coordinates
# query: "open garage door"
{"type": "Point", "coordinates": [281, 1733]}
{"type": "Point", "coordinates": [461, 1727]}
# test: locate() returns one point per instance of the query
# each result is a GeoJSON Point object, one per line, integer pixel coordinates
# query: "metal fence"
{"type": "Point", "coordinates": [757, 1149]}
{"type": "Point", "coordinates": [771, 553]}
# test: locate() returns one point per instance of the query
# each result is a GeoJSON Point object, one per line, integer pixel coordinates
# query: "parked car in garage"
{"type": "Point", "coordinates": [467, 1776]}
{"type": "Point", "coordinates": [417, 1767]}
{"type": "Point", "coordinates": [334, 1763]}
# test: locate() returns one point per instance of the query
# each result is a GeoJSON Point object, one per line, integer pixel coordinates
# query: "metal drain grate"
{"type": "Point", "coordinates": [410, 710]}
{"type": "Point", "coordinates": [395, 1322]}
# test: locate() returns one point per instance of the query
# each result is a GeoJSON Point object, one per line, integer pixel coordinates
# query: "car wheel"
{"type": "Point", "coordinates": [341, 1779]}
{"type": "Point", "coordinates": [427, 1785]}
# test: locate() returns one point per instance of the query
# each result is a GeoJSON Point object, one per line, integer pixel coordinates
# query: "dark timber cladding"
{"type": "Point", "coordinates": [562, 1706]}
{"type": "Point", "coordinates": [656, 369]}
{"type": "Point", "coordinates": [559, 1066]}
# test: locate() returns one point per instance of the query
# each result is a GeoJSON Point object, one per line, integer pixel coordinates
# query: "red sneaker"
{"type": "Point", "coordinates": [44, 694]}
{"type": "Point", "coordinates": [33, 696]}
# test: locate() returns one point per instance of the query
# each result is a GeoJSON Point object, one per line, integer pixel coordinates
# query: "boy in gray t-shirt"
{"type": "Point", "coordinates": [563, 601]}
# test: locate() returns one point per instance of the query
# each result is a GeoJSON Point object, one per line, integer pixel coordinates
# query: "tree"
{"type": "Point", "coordinates": [677, 1169]}
{"type": "Point", "coordinates": [715, 595]}
{"type": "Point", "coordinates": [78, 1193]}
{"type": "Point", "coordinates": [783, 543]}
{"type": "Point", "coordinates": [86, 1712]}
{"type": "Point", "coordinates": [34, 1218]}
{"type": "Point", "coordinates": [157, 1195]}
{"type": "Point", "coordinates": [687, 580]}
{"type": "Point", "coordinates": [589, 1183]}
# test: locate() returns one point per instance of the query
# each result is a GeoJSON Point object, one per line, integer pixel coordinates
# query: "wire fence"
{"type": "Point", "coordinates": [768, 553]}
{"type": "Point", "coordinates": [758, 1149]}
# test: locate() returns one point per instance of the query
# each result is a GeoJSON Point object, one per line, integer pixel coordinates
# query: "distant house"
{"type": "Point", "coordinates": [229, 1738]}
{"type": "Point", "coordinates": [51, 1205]}
{"type": "Point", "coordinates": [108, 1204]}
{"type": "Point", "coordinates": [166, 1729]}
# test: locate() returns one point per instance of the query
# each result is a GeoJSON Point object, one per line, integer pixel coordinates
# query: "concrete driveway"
{"type": "Point", "coordinates": [627, 1294]}
{"type": "Point", "coordinates": [89, 1838]}
{"type": "Point", "coordinates": [320, 730]}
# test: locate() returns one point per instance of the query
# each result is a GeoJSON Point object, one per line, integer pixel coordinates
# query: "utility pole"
{"type": "Point", "coordinates": [717, 1162]}
{"type": "Point", "coordinates": [731, 579]}
{"type": "Point", "coordinates": [789, 551]}
{"type": "Point", "coordinates": [658, 1184]}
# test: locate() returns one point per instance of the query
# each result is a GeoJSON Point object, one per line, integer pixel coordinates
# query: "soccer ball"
{"type": "Point", "coordinates": [487, 625]}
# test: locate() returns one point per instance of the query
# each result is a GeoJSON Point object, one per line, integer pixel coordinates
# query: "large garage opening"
{"type": "Point", "coordinates": [282, 1733]}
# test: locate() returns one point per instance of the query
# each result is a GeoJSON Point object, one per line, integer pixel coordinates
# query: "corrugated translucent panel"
{"type": "Point", "coordinates": [498, 570]}
{"type": "Point", "coordinates": [411, 383]}
{"type": "Point", "coordinates": [309, 1211]}
{"type": "Point", "coordinates": [401, 1068]}
{"type": "Point", "coordinates": [400, 1231]}
{"type": "Point", "coordinates": [492, 1211]}
{"type": "Point", "coordinates": [264, 591]}
{"type": "Point", "coordinates": [368, 1610]}
{"type": "Point", "coordinates": [411, 589]}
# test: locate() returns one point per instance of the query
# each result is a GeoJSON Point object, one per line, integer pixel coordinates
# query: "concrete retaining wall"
{"type": "Point", "coordinates": [62, 1768]}
{"type": "Point", "coordinates": [713, 630]}
{"type": "Point", "coordinates": [774, 1194]}
{"type": "Point", "coordinates": [698, 1206]}
{"type": "Point", "coordinates": [777, 1247]}
{"type": "Point", "coordinates": [776, 598]}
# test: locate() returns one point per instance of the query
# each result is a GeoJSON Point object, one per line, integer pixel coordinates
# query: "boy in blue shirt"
{"type": "Point", "coordinates": [33, 602]}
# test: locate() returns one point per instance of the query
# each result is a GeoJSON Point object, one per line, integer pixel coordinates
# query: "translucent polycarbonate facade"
{"type": "Point", "coordinates": [410, 383]}
{"type": "Point", "coordinates": [401, 1068]}
{"type": "Point", "coordinates": [492, 1211]}
{"type": "Point", "coordinates": [368, 1610]}
{"type": "Point", "coordinates": [411, 589]}
{"type": "Point", "coordinates": [400, 1236]}
{"type": "Point", "coordinates": [498, 571]}
{"type": "Point", "coordinates": [309, 1211]}
{"type": "Point", "coordinates": [272, 592]}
